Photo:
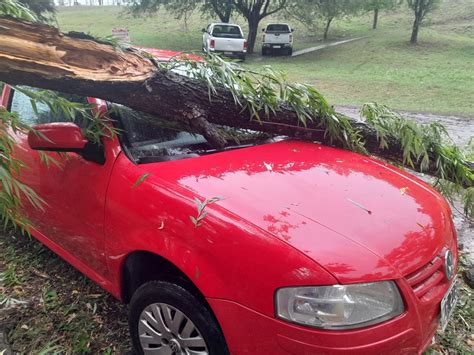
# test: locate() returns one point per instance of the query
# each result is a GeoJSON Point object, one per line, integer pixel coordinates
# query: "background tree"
{"type": "Point", "coordinates": [222, 8]}
{"type": "Point", "coordinates": [145, 7]}
{"type": "Point", "coordinates": [332, 9]}
{"type": "Point", "coordinates": [305, 12]}
{"type": "Point", "coordinates": [420, 9]}
{"type": "Point", "coordinates": [379, 5]}
{"type": "Point", "coordinates": [182, 9]}
{"type": "Point", "coordinates": [309, 12]}
{"type": "Point", "coordinates": [254, 11]}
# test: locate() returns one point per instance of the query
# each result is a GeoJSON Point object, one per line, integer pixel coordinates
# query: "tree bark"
{"type": "Point", "coordinates": [414, 32]}
{"type": "Point", "coordinates": [326, 29]}
{"type": "Point", "coordinates": [222, 9]}
{"type": "Point", "coordinates": [40, 56]}
{"type": "Point", "coordinates": [376, 19]}
{"type": "Point", "coordinates": [252, 37]}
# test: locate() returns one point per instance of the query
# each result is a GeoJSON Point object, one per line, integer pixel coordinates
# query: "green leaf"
{"type": "Point", "coordinates": [140, 180]}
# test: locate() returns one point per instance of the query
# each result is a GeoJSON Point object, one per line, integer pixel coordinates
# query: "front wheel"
{"type": "Point", "coordinates": [167, 319]}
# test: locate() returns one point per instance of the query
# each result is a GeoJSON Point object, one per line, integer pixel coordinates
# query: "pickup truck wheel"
{"type": "Point", "coordinates": [264, 52]}
{"type": "Point", "coordinates": [290, 51]}
{"type": "Point", "coordinates": [167, 319]}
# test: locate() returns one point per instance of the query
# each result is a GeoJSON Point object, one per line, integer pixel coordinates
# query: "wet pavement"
{"type": "Point", "coordinates": [322, 46]}
{"type": "Point", "coordinates": [461, 130]}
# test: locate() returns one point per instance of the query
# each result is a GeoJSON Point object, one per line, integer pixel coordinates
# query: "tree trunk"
{"type": "Point", "coordinates": [225, 18]}
{"type": "Point", "coordinates": [74, 63]}
{"type": "Point", "coordinates": [222, 9]}
{"type": "Point", "coordinates": [376, 19]}
{"type": "Point", "coordinates": [414, 32]}
{"type": "Point", "coordinates": [252, 36]}
{"type": "Point", "coordinates": [326, 30]}
{"type": "Point", "coordinates": [227, 12]}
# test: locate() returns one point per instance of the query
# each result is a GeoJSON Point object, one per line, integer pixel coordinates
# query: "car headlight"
{"type": "Point", "coordinates": [339, 306]}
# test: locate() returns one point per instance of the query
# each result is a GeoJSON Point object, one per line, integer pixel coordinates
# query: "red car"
{"type": "Point", "coordinates": [274, 247]}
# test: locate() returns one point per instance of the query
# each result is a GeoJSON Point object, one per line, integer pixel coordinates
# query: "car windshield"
{"type": "Point", "coordinates": [280, 28]}
{"type": "Point", "coordinates": [151, 139]}
{"type": "Point", "coordinates": [226, 31]}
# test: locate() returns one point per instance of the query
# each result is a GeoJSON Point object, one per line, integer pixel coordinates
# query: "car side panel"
{"type": "Point", "coordinates": [72, 259]}
{"type": "Point", "coordinates": [74, 192]}
{"type": "Point", "coordinates": [225, 257]}
{"type": "Point", "coordinates": [71, 220]}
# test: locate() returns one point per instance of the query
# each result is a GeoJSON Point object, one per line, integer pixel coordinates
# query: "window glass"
{"type": "Point", "coordinates": [278, 28]}
{"type": "Point", "coordinates": [226, 31]}
{"type": "Point", "coordinates": [151, 139]}
{"type": "Point", "coordinates": [145, 131]}
{"type": "Point", "coordinates": [22, 105]}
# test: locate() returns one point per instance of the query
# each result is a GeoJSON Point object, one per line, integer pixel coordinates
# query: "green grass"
{"type": "Point", "coordinates": [48, 307]}
{"type": "Point", "coordinates": [435, 76]}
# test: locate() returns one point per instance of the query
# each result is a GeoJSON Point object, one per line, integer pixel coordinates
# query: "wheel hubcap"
{"type": "Point", "coordinates": [165, 330]}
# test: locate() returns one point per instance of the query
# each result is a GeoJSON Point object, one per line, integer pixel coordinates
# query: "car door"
{"type": "Point", "coordinates": [74, 191]}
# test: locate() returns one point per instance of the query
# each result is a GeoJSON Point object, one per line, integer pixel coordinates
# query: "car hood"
{"type": "Point", "coordinates": [354, 215]}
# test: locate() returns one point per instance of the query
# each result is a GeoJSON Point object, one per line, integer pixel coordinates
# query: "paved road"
{"type": "Point", "coordinates": [322, 46]}
{"type": "Point", "coordinates": [461, 130]}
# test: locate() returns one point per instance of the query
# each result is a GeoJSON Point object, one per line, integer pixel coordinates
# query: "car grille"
{"type": "Point", "coordinates": [426, 281]}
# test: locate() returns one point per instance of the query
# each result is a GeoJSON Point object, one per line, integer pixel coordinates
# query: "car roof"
{"type": "Point", "coordinates": [223, 24]}
{"type": "Point", "coordinates": [164, 55]}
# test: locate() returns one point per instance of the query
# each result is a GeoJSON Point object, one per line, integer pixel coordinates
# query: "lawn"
{"type": "Point", "coordinates": [435, 76]}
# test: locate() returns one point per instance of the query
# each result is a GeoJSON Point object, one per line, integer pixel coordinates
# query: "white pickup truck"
{"type": "Point", "coordinates": [277, 36]}
{"type": "Point", "coordinates": [224, 38]}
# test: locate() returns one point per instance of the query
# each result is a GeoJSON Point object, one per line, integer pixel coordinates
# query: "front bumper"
{"type": "Point", "coordinates": [250, 332]}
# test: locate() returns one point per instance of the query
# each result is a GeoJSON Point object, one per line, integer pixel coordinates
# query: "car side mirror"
{"type": "Point", "coordinates": [292, 30]}
{"type": "Point", "coordinates": [57, 137]}
{"type": "Point", "coordinates": [203, 30]}
{"type": "Point", "coordinates": [263, 30]}
{"type": "Point", "coordinates": [65, 137]}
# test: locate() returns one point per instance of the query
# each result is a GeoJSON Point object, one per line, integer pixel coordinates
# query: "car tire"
{"type": "Point", "coordinates": [264, 52]}
{"type": "Point", "coordinates": [290, 51]}
{"type": "Point", "coordinates": [153, 324]}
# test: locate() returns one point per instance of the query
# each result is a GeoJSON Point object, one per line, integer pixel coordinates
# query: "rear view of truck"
{"type": "Point", "coordinates": [277, 37]}
{"type": "Point", "coordinates": [224, 38]}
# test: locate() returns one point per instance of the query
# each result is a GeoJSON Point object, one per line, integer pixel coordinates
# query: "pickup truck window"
{"type": "Point", "coordinates": [278, 28]}
{"type": "Point", "coordinates": [226, 31]}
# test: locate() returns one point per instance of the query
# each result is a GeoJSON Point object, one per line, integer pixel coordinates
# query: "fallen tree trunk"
{"type": "Point", "coordinates": [40, 56]}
